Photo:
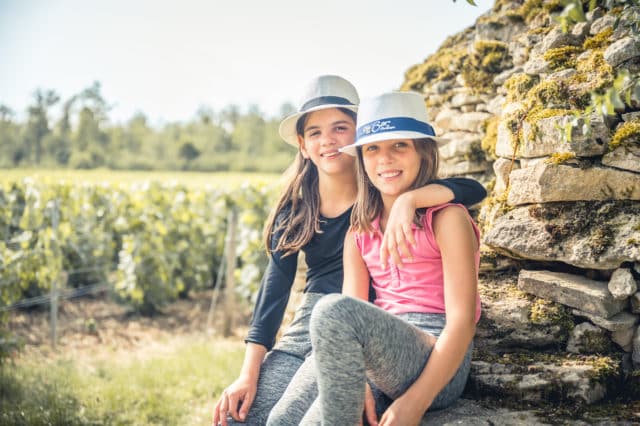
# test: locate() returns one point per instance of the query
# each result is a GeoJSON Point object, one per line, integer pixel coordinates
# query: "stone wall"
{"type": "Point", "coordinates": [512, 94]}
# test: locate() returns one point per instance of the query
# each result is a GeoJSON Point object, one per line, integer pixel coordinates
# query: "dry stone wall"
{"type": "Point", "coordinates": [514, 94]}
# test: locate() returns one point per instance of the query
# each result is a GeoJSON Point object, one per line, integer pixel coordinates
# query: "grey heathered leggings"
{"type": "Point", "coordinates": [354, 340]}
{"type": "Point", "coordinates": [280, 365]}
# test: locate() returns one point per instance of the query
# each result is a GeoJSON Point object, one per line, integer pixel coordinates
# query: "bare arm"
{"type": "Point", "coordinates": [458, 244]}
{"type": "Point", "coordinates": [356, 274]}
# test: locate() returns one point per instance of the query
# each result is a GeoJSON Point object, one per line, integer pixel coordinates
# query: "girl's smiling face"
{"type": "Point", "coordinates": [392, 165]}
{"type": "Point", "coordinates": [324, 132]}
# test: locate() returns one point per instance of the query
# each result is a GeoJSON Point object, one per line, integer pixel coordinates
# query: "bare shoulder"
{"type": "Point", "coordinates": [450, 215]}
{"type": "Point", "coordinates": [453, 223]}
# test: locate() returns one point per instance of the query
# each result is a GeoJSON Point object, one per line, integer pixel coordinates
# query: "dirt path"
{"type": "Point", "coordinates": [97, 327]}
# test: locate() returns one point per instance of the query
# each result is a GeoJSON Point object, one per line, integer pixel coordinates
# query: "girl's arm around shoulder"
{"type": "Point", "coordinates": [464, 190]}
{"type": "Point", "coordinates": [356, 274]}
{"type": "Point", "coordinates": [398, 235]}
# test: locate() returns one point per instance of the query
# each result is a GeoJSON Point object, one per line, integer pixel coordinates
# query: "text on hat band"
{"type": "Point", "coordinates": [394, 124]}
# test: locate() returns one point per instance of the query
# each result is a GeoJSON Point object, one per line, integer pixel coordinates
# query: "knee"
{"type": "Point", "coordinates": [329, 313]}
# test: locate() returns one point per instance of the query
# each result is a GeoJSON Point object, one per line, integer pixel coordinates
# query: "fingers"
{"type": "Point", "coordinates": [384, 251]}
{"type": "Point", "coordinates": [396, 244]}
{"type": "Point", "coordinates": [407, 231]}
{"type": "Point", "coordinates": [370, 407]}
{"type": "Point", "coordinates": [233, 406]}
{"type": "Point", "coordinates": [246, 404]}
{"type": "Point", "coordinates": [216, 417]}
{"type": "Point", "coordinates": [221, 410]}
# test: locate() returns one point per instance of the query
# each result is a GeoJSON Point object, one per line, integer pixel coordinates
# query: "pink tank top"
{"type": "Point", "coordinates": [419, 285]}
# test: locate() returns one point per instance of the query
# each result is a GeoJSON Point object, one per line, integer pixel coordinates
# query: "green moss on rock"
{"type": "Point", "coordinates": [588, 220]}
{"type": "Point", "coordinates": [479, 69]}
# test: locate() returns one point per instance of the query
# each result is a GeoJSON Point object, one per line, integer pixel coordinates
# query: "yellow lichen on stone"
{"type": "Point", "coordinates": [513, 122]}
{"type": "Point", "coordinates": [547, 92]}
{"type": "Point", "coordinates": [488, 143]}
{"type": "Point", "coordinates": [600, 40]}
{"type": "Point", "coordinates": [538, 114]}
{"type": "Point", "coordinates": [480, 68]}
{"type": "Point", "coordinates": [560, 157]}
{"type": "Point", "coordinates": [439, 66]}
{"type": "Point", "coordinates": [627, 133]}
{"type": "Point", "coordinates": [530, 9]}
{"type": "Point", "coordinates": [592, 73]}
{"type": "Point", "coordinates": [552, 6]}
{"type": "Point", "coordinates": [545, 312]}
{"type": "Point", "coordinates": [518, 85]}
{"type": "Point", "coordinates": [562, 57]}
{"type": "Point", "coordinates": [539, 30]}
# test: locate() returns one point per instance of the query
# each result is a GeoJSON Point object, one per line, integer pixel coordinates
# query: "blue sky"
{"type": "Point", "coordinates": [168, 58]}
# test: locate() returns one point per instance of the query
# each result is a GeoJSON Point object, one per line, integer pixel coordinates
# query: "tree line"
{"type": "Point", "coordinates": [81, 136]}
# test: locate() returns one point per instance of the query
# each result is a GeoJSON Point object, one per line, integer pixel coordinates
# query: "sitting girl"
{"type": "Point", "coordinates": [312, 216]}
{"type": "Point", "coordinates": [415, 343]}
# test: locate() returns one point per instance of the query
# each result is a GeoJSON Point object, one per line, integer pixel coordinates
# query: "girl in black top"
{"type": "Point", "coordinates": [313, 216]}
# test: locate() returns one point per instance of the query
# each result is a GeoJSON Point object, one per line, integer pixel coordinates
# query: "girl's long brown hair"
{"type": "Point", "coordinates": [369, 204]}
{"type": "Point", "coordinates": [299, 201]}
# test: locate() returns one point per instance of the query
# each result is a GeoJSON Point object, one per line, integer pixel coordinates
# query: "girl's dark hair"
{"type": "Point", "coordinates": [299, 202]}
{"type": "Point", "coordinates": [369, 204]}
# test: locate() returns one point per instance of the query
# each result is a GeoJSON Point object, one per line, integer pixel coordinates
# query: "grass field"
{"type": "Point", "coordinates": [191, 179]}
{"type": "Point", "coordinates": [173, 386]}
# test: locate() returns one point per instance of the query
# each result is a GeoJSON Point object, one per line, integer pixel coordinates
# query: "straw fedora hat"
{"type": "Point", "coordinates": [393, 115]}
{"type": "Point", "coordinates": [325, 91]}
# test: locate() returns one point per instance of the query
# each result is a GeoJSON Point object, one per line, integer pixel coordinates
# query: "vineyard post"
{"type": "Point", "coordinates": [216, 290]}
{"type": "Point", "coordinates": [55, 292]}
{"type": "Point", "coordinates": [53, 299]}
{"type": "Point", "coordinates": [54, 313]}
{"type": "Point", "coordinates": [230, 296]}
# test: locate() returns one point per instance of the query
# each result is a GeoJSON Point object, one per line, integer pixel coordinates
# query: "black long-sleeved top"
{"type": "Point", "coordinates": [323, 255]}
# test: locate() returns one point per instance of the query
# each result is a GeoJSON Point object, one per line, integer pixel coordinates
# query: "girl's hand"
{"type": "Point", "coordinates": [402, 412]}
{"type": "Point", "coordinates": [241, 390]}
{"type": "Point", "coordinates": [369, 407]}
{"type": "Point", "coordinates": [398, 234]}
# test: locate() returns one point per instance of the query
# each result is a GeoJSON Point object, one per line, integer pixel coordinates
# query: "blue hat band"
{"type": "Point", "coordinates": [394, 124]}
{"type": "Point", "coordinates": [325, 100]}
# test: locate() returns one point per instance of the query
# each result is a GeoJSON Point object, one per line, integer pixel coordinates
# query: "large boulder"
{"type": "Point", "coordinates": [596, 235]}
{"type": "Point", "coordinates": [546, 137]}
{"type": "Point", "coordinates": [547, 182]}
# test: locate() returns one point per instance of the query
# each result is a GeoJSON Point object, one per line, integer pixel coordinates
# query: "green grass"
{"type": "Point", "coordinates": [191, 179]}
{"type": "Point", "coordinates": [174, 388]}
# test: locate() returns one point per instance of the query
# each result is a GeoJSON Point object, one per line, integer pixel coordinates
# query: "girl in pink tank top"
{"type": "Point", "coordinates": [415, 345]}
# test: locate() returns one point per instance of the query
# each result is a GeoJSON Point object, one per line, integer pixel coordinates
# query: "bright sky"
{"type": "Point", "coordinates": [166, 58]}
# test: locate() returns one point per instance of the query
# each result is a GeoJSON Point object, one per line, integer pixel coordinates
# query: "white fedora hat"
{"type": "Point", "coordinates": [325, 91]}
{"type": "Point", "coordinates": [393, 115]}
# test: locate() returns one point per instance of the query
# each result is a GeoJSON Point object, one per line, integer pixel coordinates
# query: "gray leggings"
{"type": "Point", "coordinates": [280, 365]}
{"type": "Point", "coordinates": [352, 341]}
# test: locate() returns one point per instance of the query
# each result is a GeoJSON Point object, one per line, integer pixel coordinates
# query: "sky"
{"type": "Point", "coordinates": [167, 59]}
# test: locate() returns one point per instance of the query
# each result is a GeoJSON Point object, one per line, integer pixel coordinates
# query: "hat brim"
{"type": "Point", "coordinates": [404, 134]}
{"type": "Point", "coordinates": [287, 127]}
